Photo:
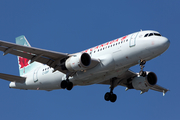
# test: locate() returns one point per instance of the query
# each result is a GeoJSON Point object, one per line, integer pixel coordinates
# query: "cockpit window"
{"type": "Point", "coordinates": [157, 34]}
{"type": "Point", "coordinates": [146, 35]}
{"type": "Point", "coordinates": [151, 34]}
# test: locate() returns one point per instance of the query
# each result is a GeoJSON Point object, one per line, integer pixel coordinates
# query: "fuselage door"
{"type": "Point", "coordinates": [35, 75]}
{"type": "Point", "coordinates": [132, 41]}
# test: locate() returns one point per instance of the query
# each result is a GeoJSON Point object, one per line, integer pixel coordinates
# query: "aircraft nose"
{"type": "Point", "coordinates": [160, 45]}
{"type": "Point", "coordinates": [166, 43]}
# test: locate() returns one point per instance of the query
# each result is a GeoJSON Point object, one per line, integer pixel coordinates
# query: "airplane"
{"type": "Point", "coordinates": [108, 64]}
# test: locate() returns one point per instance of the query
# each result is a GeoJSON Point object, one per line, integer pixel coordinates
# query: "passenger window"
{"type": "Point", "coordinates": [151, 34]}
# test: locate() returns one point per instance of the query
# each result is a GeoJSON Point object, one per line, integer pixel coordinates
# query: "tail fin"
{"type": "Point", "coordinates": [25, 64]}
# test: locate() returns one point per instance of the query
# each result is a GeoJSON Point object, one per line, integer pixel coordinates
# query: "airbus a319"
{"type": "Point", "coordinates": [107, 64]}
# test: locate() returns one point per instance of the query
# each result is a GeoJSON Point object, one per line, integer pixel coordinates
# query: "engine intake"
{"type": "Point", "coordinates": [78, 62]}
{"type": "Point", "coordinates": [144, 83]}
{"type": "Point", "coordinates": [151, 79]}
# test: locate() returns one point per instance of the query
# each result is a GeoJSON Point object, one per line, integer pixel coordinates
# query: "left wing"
{"type": "Point", "coordinates": [48, 57]}
{"type": "Point", "coordinates": [126, 78]}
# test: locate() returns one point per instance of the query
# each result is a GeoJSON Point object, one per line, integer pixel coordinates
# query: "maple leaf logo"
{"type": "Point", "coordinates": [23, 62]}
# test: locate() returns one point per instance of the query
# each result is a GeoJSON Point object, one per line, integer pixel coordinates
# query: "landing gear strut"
{"type": "Point", "coordinates": [66, 84]}
{"type": "Point", "coordinates": [110, 95]}
{"type": "Point", "coordinates": [142, 63]}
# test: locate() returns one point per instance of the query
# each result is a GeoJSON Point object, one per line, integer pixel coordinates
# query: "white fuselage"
{"type": "Point", "coordinates": [115, 57]}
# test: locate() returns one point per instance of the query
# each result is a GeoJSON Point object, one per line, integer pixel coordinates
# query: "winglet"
{"type": "Point", "coordinates": [142, 92]}
{"type": "Point", "coordinates": [164, 92]}
{"type": "Point", "coordinates": [126, 89]}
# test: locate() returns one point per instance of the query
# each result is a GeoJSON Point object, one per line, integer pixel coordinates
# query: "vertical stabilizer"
{"type": "Point", "coordinates": [25, 64]}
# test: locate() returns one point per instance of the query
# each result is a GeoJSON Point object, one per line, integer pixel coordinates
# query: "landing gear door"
{"type": "Point", "coordinates": [132, 41]}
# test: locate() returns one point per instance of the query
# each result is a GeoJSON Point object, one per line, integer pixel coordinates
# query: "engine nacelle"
{"type": "Point", "coordinates": [78, 62]}
{"type": "Point", "coordinates": [144, 83]}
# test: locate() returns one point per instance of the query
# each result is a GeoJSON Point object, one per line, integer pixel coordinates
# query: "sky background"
{"type": "Point", "coordinates": [74, 25]}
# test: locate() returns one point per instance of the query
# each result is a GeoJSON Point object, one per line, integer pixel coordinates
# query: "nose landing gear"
{"type": "Point", "coordinates": [142, 63]}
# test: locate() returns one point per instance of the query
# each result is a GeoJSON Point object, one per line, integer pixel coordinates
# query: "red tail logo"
{"type": "Point", "coordinates": [23, 62]}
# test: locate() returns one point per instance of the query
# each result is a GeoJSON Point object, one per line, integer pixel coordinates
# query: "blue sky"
{"type": "Point", "coordinates": [75, 25]}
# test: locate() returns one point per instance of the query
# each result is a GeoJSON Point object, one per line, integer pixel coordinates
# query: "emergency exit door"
{"type": "Point", "coordinates": [132, 41]}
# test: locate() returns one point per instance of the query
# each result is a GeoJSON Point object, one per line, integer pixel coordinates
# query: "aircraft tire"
{"type": "Point", "coordinates": [107, 96]}
{"type": "Point", "coordinates": [69, 85]}
{"type": "Point", "coordinates": [63, 84]}
{"type": "Point", "coordinates": [113, 98]}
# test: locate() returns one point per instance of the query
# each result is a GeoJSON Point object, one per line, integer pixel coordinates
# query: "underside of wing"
{"type": "Point", "coordinates": [12, 78]}
{"type": "Point", "coordinates": [123, 80]}
{"type": "Point", "coordinates": [159, 89]}
{"type": "Point", "coordinates": [34, 54]}
{"type": "Point", "coordinates": [132, 80]}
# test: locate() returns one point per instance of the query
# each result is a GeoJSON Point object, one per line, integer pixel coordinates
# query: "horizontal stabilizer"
{"type": "Point", "coordinates": [12, 78]}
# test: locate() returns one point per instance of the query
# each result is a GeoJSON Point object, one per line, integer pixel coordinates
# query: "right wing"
{"type": "Point", "coordinates": [125, 80]}
{"type": "Point", "coordinates": [159, 89]}
{"type": "Point", "coordinates": [12, 78]}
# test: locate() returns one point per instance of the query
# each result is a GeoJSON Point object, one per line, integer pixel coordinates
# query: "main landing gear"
{"type": "Point", "coordinates": [142, 63]}
{"type": "Point", "coordinates": [66, 84]}
{"type": "Point", "coordinates": [110, 96]}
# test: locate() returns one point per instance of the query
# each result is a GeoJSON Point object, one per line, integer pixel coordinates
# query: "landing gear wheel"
{"type": "Point", "coordinates": [107, 96]}
{"type": "Point", "coordinates": [110, 96]}
{"type": "Point", "coordinates": [113, 98]}
{"type": "Point", "coordinates": [63, 84]}
{"type": "Point", "coordinates": [66, 85]}
{"type": "Point", "coordinates": [69, 85]}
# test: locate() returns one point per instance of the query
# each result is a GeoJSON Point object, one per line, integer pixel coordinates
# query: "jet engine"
{"type": "Point", "coordinates": [144, 83]}
{"type": "Point", "coordinates": [78, 62]}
